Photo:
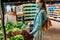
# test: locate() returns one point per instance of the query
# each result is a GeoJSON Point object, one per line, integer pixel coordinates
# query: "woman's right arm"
{"type": "Point", "coordinates": [38, 23]}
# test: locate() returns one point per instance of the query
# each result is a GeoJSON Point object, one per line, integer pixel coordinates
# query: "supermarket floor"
{"type": "Point", "coordinates": [53, 33]}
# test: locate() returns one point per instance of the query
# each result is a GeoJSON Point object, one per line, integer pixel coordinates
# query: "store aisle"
{"type": "Point", "coordinates": [53, 33]}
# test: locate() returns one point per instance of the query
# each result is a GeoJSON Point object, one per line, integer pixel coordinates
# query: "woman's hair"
{"type": "Point", "coordinates": [43, 5]}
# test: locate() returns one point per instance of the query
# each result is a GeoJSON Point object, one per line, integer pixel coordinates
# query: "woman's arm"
{"type": "Point", "coordinates": [38, 23]}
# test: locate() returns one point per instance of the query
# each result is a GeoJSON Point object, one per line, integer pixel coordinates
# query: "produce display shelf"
{"type": "Point", "coordinates": [54, 19]}
{"type": "Point", "coordinates": [29, 21]}
{"type": "Point", "coordinates": [29, 14]}
{"type": "Point", "coordinates": [30, 11]}
{"type": "Point", "coordinates": [29, 18]}
{"type": "Point", "coordinates": [30, 4]}
{"type": "Point", "coordinates": [31, 8]}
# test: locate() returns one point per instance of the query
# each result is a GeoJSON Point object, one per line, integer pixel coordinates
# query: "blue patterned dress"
{"type": "Point", "coordinates": [38, 22]}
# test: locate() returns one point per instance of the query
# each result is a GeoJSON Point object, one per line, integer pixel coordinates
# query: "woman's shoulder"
{"type": "Point", "coordinates": [42, 10]}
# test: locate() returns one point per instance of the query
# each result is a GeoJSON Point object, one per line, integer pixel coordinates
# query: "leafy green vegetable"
{"type": "Point", "coordinates": [16, 29]}
{"type": "Point", "coordinates": [17, 37]}
{"type": "Point", "coordinates": [8, 38]}
{"type": "Point", "coordinates": [19, 25]}
{"type": "Point", "coordinates": [8, 31]}
{"type": "Point", "coordinates": [23, 26]}
{"type": "Point", "coordinates": [1, 33]}
{"type": "Point", "coordinates": [10, 25]}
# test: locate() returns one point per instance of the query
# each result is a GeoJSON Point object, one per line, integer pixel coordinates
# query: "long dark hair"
{"type": "Point", "coordinates": [43, 5]}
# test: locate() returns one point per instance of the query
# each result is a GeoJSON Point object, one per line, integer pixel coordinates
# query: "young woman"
{"type": "Point", "coordinates": [39, 20]}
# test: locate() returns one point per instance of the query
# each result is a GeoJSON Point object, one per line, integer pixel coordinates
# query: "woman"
{"type": "Point", "coordinates": [39, 20]}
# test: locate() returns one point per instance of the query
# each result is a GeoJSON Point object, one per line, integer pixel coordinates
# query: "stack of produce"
{"type": "Point", "coordinates": [11, 27]}
{"type": "Point", "coordinates": [17, 32]}
{"type": "Point", "coordinates": [13, 31]}
{"type": "Point", "coordinates": [1, 33]}
{"type": "Point", "coordinates": [17, 37]}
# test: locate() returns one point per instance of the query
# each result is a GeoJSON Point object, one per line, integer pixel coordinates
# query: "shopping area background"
{"type": "Point", "coordinates": [54, 14]}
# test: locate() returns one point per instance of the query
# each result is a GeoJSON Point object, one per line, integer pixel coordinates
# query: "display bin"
{"type": "Point", "coordinates": [16, 14]}
{"type": "Point", "coordinates": [12, 28]}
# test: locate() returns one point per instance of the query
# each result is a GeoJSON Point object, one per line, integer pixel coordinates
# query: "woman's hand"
{"type": "Point", "coordinates": [29, 23]}
{"type": "Point", "coordinates": [30, 32]}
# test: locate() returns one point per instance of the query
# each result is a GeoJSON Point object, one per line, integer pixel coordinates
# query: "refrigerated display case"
{"type": "Point", "coordinates": [53, 10]}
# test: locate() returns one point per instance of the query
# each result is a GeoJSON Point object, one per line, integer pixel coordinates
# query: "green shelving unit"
{"type": "Point", "coordinates": [30, 11]}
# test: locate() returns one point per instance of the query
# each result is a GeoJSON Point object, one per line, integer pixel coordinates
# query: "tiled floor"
{"type": "Point", "coordinates": [53, 33]}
